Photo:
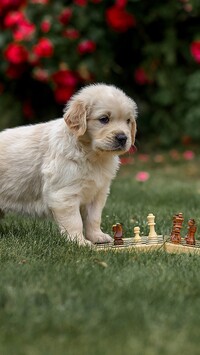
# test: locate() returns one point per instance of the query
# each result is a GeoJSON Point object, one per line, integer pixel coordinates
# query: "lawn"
{"type": "Point", "coordinates": [57, 298]}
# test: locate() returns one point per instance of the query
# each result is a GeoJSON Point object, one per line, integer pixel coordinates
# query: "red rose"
{"type": "Point", "coordinates": [71, 33]}
{"type": "Point", "coordinates": [65, 16]}
{"type": "Point", "coordinates": [80, 2]}
{"type": "Point", "coordinates": [121, 3]}
{"type": "Point", "coordinates": [11, 4]}
{"type": "Point", "coordinates": [13, 18]}
{"type": "Point", "coordinates": [24, 31]}
{"type": "Point", "coordinates": [141, 77]}
{"type": "Point", "coordinates": [86, 46]}
{"type": "Point", "coordinates": [195, 50]}
{"type": "Point", "coordinates": [63, 94]}
{"type": "Point", "coordinates": [119, 19]}
{"type": "Point", "coordinates": [44, 48]}
{"type": "Point", "coordinates": [45, 25]}
{"type": "Point", "coordinates": [16, 53]}
{"type": "Point", "coordinates": [64, 77]}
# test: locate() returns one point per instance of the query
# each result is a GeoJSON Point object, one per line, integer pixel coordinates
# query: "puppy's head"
{"type": "Point", "coordinates": [104, 117]}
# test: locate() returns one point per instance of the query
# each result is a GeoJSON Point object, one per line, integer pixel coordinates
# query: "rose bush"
{"type": "Point", "coordinates": [48, 49]}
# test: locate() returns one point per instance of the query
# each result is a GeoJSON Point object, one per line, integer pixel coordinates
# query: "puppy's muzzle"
{"type": "Point", "coordinates": [121, 139]}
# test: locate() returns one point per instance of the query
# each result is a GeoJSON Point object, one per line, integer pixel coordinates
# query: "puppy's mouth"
{"type": "Point", "coordinates": [117, 148]}
{"type": "Point", "coordinates": [119, 143]}
{"type": "Point", "coordinates": [114, 148]}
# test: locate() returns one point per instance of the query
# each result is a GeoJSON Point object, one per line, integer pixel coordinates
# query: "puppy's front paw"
{"type": "Point", "coordinates": [78, 239]}
{"type": "Point", "coordinates": [100, 238]}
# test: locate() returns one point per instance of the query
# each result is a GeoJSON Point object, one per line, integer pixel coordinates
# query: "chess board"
{"type": "Point", "coordinates": [182, 247]}
{"type": "Point", "coordinates": [171, 244]}
{"type": "Point", "coordinates": [159, 243]}
{"type": "Point", "coordinates": [130, 244]}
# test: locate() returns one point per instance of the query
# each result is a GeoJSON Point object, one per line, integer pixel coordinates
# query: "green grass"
{"type": "Point", "coordinates": [56, 298]}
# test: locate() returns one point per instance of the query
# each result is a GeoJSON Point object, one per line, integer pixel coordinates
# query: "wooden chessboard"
{"type": "Point", "coordinates": [159, 243]}
{"type": "Point", "coordinates": [182, 247]}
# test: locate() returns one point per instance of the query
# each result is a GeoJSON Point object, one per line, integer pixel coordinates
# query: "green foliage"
{"type": "Point", "coordinates": [150, 50]}
{"type": "Point", "coordinates": [10, 111]}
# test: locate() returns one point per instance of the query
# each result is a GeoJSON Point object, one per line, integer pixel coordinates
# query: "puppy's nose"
{"type": "Point", "coordinates": [121, 138]}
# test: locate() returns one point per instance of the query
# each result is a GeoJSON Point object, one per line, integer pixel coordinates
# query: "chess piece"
{"type": "Point", "coordinates": [177, 225]}
{"type": "Point", "coordinates": [173, 227]}
{"type": "Point", "coordinates": [173, 230]}
{"type": "Point", "coordinates": [151, 223]}
{"type": "Point", "coordinates": [118, 234]}
{"type": "Point", "coordinates": [190, 238]}
{"type": "Point", "coordinates": [137, 238]}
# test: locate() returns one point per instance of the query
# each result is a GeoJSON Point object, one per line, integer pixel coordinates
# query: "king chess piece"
{"type": "Point", "coordinates": [118, 234]}
{"type": "Point", "coordinates": [190, 237]}
{"type": "Point", "coordinates": [177, 225]}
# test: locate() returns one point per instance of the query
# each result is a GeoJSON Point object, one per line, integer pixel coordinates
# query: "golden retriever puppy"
{"type": "Point", "coordinates": [63, 168]}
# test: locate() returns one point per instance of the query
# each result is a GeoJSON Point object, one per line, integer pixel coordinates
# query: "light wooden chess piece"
{"type": "Point", "coordinates": [151, 223]}
{"type": "Point", "coordinates": [137, 238]}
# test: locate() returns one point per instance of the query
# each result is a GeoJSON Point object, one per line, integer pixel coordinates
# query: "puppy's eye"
{"type": "Point", "coordinates": [128, 121]}
{"type": "Point", "coordinates": [104, 119]}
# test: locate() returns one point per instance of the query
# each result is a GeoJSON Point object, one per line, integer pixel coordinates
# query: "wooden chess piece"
{"type": "Point", "coordinates": [177, 225]}
{"type": "Point", "coordinates": [151, 223]}
{"type": "Point", "coordinates": [190, 238]}
{"type": "Point", "coordinates": [137, 238]}
{"type": "Point", "coordinates": [179, 220]}
{"type": "Point", "coordinates": [118, 234]}
{"type": "Point", "coordinates": [172, 232]}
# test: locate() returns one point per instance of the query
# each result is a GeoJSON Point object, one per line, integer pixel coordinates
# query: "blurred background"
{"type": "Point", "coordinates": [150, 49]}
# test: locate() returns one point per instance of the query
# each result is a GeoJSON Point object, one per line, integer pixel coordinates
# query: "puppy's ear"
{"type": "Point", "coordinates": [133, 131]}
{"type": "Point", "coordinates": [134, 111]}
{"type": "Point", "coordinates": [75, 117]}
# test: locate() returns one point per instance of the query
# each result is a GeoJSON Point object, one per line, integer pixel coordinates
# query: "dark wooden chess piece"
{"type": "Point", "coordinates": [190, 238]}
{"type": "Point", "coordinates": [173, 227]}
{"type": "Point", "coordinates": [117, 229]}
{"type": "Point", "coordinates": [177, 225]}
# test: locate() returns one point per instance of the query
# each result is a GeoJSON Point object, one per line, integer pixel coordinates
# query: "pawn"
{"type": "Point", "coordinates": [190, 238]}
{"type": "Point", "coordinates": [137, 238]}
{"type": "Point", "coordinates": [118, 234]}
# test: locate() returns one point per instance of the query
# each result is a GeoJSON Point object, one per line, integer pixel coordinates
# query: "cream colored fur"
{"type": "Point", "coordinates": [63, 168]}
